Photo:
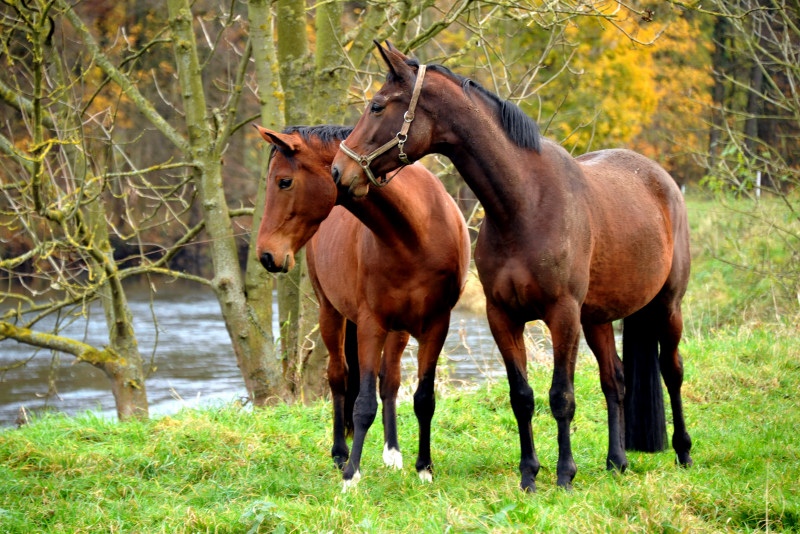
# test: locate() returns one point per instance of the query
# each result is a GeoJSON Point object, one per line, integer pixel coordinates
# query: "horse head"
{"type": "Point", "coordinates": [396, 129]}
{"type": "Point", "coordinates": [300, 194]}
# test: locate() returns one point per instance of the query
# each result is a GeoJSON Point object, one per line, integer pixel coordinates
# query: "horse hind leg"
{"type": "Point", "coordinates": [600, 339]}
{"type": "Point", "coordinates": [671, 365]}
{"type": "Point", "coordinates": [389, 384]}
{"type": "Point", "coordinates": [430, 346]}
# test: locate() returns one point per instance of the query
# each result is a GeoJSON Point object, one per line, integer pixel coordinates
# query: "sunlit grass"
{"type": "Point", "coordinates": [234, 470]}
{"type": "Point", "coordinates": [229, 469]}
{"type": "Point", "coordinates": [745, 263]}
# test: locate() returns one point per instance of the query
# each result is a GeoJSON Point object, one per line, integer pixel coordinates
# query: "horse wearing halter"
{"type": "Point", "coordinates": [399, 139]}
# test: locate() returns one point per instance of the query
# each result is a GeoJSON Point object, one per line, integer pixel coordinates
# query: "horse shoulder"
{"type": "Point", "coordinates": [333, 256]}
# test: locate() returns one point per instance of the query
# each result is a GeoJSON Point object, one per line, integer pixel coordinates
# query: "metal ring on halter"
{"type": "Point", "coordinates": [408, 116]}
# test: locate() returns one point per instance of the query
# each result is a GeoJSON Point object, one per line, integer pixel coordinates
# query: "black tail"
{"type": "Point", "coordinates": [353, 375]}
{"type": "Point", "coordinates": [645, 420]}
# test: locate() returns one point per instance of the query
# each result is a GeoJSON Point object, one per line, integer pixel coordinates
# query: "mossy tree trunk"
{"type": "Point", "coordinates": [252, 340]}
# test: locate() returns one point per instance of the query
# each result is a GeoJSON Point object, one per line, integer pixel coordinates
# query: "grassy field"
{"type": "Point", "coordinates": [229, 469]}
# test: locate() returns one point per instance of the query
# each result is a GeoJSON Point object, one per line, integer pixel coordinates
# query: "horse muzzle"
{"type": "Point", "coordinates": [269, 263]}
{"type": "Point", "coordinates": [352, 177]}
{"type": "Point", "coordinates": [358, 189]}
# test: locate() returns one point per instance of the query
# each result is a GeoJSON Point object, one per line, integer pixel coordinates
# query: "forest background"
{"type": "Point", "coordinates": [126, 151]}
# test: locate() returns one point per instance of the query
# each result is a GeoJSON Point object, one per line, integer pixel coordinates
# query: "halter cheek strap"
{"type": "Point", "coordinates": [399, 139]}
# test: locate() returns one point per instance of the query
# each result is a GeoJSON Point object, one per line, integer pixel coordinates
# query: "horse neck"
{"type": "Point", "coordinates": [502, 175]}
{"type": "Point", "coordinates": [392, 213]}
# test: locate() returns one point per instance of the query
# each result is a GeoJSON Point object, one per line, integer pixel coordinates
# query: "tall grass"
{"type": "Point", "coordinates": [745, 263]}
{"type": "Point", "coordinates": [231, 469]}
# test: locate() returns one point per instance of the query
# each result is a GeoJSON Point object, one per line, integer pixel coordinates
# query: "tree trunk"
{"type": "Point", "coordinates": [330, 82]}
{"type": "Point", "coordinates": [754, 103]}
{"type": "Point", "coordinates": [87, 227]}
{"type": "Point", "coordinates": [125, 370]}
{"type": "Point", "coordinates": [719, 68]}
{"type": "Point", "coordinates": [298, 310]}
{"type": "Point", "coordinates": [249, 337]}
{"type": "Point", "coordinates": [258, 281]}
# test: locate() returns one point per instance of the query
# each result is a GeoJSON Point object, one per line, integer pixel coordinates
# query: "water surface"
{"type": "Point", "coordinates": [182, 332]}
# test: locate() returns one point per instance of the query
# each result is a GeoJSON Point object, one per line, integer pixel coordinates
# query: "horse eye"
{"type": "Point", "coordinates": [376, 108]}
{"type": "Point", "coordinates": [284, 183]}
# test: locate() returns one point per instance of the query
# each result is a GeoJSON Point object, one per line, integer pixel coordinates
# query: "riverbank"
{"type": "Point", "coordinates": [229, 469]}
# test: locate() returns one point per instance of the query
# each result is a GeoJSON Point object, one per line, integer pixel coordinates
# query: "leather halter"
{"type": "Point", "coordinates": [399, 139]}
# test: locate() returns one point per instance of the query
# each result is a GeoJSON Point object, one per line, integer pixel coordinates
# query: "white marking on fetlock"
{"type": "Point", "coordinates": [392, 457]}
{"type": "Point", "coordinates": [348, 484]}
{"type": "Point", "coordinates": [425, 476]}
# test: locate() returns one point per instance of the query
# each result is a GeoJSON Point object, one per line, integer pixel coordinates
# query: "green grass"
{"type": "Point", "coordinates": [233, 470]}
{"type": "Point", "coordinates": [230, 469]}
{"type": "Point", "coordinates": [745, 263]}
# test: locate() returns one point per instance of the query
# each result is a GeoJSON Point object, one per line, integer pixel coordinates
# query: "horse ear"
{"type": "Point", "coordinates": [395, 60]}
{"type": "Point", "coordinates": [283, 141]}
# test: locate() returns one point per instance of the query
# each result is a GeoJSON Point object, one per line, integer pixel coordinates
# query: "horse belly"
{"type": "Point", "coordinates": [627, 271]}
{"type": "Point", "coordinates": [410, 301]}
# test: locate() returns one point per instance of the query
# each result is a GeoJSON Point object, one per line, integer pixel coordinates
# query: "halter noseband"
{"type": "Point", "coordinates": [399, 139]}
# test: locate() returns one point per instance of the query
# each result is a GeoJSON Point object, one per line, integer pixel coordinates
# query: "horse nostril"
{"type": "Point", "coordinates": [337, 175]}
{"type": "Point", "coordinates": [268, 262]}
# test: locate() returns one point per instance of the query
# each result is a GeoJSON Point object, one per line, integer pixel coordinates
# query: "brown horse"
{"type": "Point", "coordinates": [392, 265]}
{"type": "Point", "coordinates": [577, 242]}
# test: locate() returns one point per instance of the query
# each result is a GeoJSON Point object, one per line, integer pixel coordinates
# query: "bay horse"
{"type": "Point", "coordinates": [391, 266]}
{"type": "Point", "coordinates": [577, 242]}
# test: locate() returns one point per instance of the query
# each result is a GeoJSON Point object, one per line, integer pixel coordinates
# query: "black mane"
{"type": "Point", "coordinates": [326, 133]}
{"type": "Point", "coordinates": [521, 129]}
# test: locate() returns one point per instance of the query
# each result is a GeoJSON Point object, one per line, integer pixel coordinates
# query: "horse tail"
{"type": "Point", "coordinates": [353, 375]}
{"type": "Point", "coordinates": [645, 420]}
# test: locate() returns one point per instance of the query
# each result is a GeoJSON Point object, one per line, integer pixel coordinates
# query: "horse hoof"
{"type": "Point", "coordinates": [616, 467]}
{"type": "Point", "coordinates": [351, 483]}
{"type": "Point", "coordinates": [425, 475]}
{"type": "Point", "coordinates": [565, 482]}
{"type": "Point", "coordinates": [528, 485]}
{"type": "Point", "coordinates": [393, 458]}
{"type": "Point", "coordinates": [340, 462]}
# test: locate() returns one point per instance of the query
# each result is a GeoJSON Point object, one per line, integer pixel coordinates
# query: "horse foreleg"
{"type": "Point", "coordinates": [563, 319]}
{"type": "Point", "coordinates": [430, 346]}
{"type": "Point", "coordinates": [671, 365]}
{"type": "Point", "coordinates": [390, 382]}
{"type": "Point", "coordinates": [371, 338]}
{"type": "Point", "coordinates": [600, 339]}
{"type": "Point", "coordinates": [332, 331]}
{"type": "Point", "coordinates": [508, 336]}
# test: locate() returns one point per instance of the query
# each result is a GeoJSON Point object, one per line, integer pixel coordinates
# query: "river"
{"type": "Point", "coordinates": [182, 331]}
